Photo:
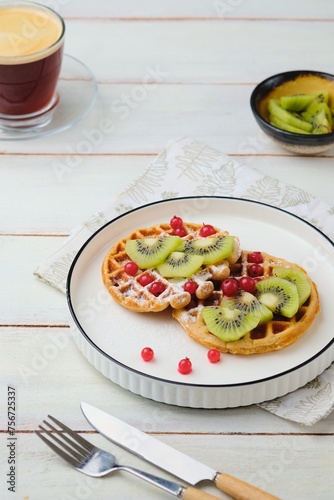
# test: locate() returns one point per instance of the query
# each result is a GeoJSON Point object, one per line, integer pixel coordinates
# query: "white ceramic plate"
{"type": "Point", "coordinates": [112, 337]}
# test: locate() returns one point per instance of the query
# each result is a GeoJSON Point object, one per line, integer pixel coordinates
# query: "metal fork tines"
{"type": "Point", "coordinates": [71, 447]}
{"type": "Point", "coordinates": [94, 461]}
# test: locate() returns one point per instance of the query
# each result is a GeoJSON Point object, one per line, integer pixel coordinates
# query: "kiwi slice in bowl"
{"type": "Point", "coordinates": [286, 126]}
{"type": "Point", "coordinates": [279, 295]}
{"type": "Point", "coordinates": [311, 113]}
{"type": "Point", "coordinates": [298, 277]}
{"type": "Point", "coordinates": [276, 111]}
{"type": "Point", "coordinates": [180, 265]}
{"type": "Point", "coordinates": [212, 249]}
{"type": "Point", "coordinates": [228, 323]}
{"type": "Point", "coordinates": [149, 252]}
{"type": "Point", "coordinates": [297, 102]}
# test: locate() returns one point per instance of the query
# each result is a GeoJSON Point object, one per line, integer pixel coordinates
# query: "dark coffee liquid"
{"type": "Point", "coordinates": [27, 88]}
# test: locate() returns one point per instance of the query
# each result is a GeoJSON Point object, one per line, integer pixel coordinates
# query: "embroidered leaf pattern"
{"type": "Point", "coordinates": [314, 384]}
{"type": "Point", "coordinates": [294, 196]}
{"type": "Point", "coordinates": [308, 408]}
{"type": "Point", "coordinates": [266, 190]}
{"type": "Point", "coordinates": [196, 158]}
{"type": "Point", "coordinates": [220, 181]}
{"type": "Point", "coordinates": [96, 222]}
{"type": "Point", "coordinates": [167, 195]}
{"type": "Point", "coordinates": [146, 184]}
{"type": "Point", "coordinates": [271, 406]}
{"type": "Point", "coordinates": [58, 270]}
{"type": "Point", "coordinates": [122, 208]}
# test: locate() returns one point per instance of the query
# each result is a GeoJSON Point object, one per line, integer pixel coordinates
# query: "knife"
{"type": "Point", "coordinates": [168, 458]}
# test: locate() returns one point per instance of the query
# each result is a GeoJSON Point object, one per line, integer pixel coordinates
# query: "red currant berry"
{"type": "Point", "coordinates": [213, 355]}
{"type": "Point", "coordinates": [145, 279]}
{"type": "Point", "coordinates": [255, 257]}
{"type": "Point", "coordinates": [147, 354]}
{"type": "Point", "coordinates": [185, 366]}
{"type": "Point", "coordinates": [157, 288]}
{"type": "Point", "coordinates": [230, 287]}
{"type": "Point", "coordinates": [190, 287]}
{"type": "Point", "coordinates": [131, 268]}
{"type": "Point", "coordinates": [179, 231]}
{"type": "Point", "coordinates": [176, 222]}
{"type": "Point", "coordinates": [207, 230]}
{"type": "Point", "coordinates": [247, 283]}
{"type": "Point", "coordinates": [255, 270]}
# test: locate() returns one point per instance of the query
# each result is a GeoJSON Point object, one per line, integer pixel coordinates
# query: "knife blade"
{"type": "Point", "coordinates": [168, 458]}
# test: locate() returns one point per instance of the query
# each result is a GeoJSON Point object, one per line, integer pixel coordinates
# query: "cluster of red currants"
{"type": "Point", "coordinates": [231, 286]}
{"type": "Point", "coordinates": [145, 279]}
{"type": "Point", "coordinates": [176, 223]}
{"type": "Point", "coordinates": [184, 365]}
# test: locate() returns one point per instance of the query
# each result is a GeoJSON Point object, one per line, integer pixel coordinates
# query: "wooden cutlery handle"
{"type": "Point", "coordinates": [240, 490]}
{"type": "Point", "coordinates": [192, 493]}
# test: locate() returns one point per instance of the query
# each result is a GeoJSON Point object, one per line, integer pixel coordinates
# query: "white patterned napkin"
{"type": "Point", "coordinates": [191, 168]}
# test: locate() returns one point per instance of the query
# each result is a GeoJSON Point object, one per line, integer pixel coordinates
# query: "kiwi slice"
{"type": "Point", "coordinates": [275, 110]}
{"type": "Point", "coordinates": [279, 295]}
{"type": "Point", "coordinates": [297, 102]}
{"type": "Point", "coordinates": [320, 123]}
{"type": "Point", "coordinates": [228, 323]}
{"type": "Point", "coordinates": [322, 96]}
{"type": "Point", "coordinates": [248, 303]}
{"type": "Point", "coordinates": [149, 252]}
{"type": "Point", "coordinates": [285, 126]}
{"type": "Point", "coordinates": [180, 265]}
{"type": "Point", "coordinates": [298, 277]}
{"type": "Point", "coordinates": [310, 113]}
{"type": "Point", "coordinates": [320, 116]}
{"type": "Point", "coordinates": [212, 249]}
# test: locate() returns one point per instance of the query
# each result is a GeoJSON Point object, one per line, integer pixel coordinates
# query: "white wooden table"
{"type": "Point", "coordinates": [202, 58]}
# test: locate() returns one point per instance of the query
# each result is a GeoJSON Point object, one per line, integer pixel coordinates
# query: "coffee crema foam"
{"type": "Point", "coordinates": [29, 33]}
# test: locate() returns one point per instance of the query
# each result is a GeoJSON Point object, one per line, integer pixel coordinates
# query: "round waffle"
{"type": "Point", "coordinates": [128, 291]}
{"type": "Point", "coordinates": [273, 335]}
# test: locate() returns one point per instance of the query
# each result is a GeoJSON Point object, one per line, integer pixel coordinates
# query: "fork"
{"type": "Point", "coordinates": [94, 461]}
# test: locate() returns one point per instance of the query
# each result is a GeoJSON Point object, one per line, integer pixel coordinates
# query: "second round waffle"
{"type": "Point", "coordinates": [268, 336]}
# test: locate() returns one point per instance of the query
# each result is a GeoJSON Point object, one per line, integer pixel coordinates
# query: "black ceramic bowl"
{"type": "Point", "coordinates": [293, 82]}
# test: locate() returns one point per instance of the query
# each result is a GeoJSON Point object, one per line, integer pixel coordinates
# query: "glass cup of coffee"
{"type": "Point", "coordinates": [31, 52]}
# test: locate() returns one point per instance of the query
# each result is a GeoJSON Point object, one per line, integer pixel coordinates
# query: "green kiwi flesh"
{"type": "Point", "coordinates": [212, 249]}
{"type": "Point", "coordinates": [149, 252]}
{"type": "Point", "coordinates": [322, 96]}
{"type": "Point", "coordinates": [228, 323]}
{"type": "Point", "coordinates": [320, 123]}
{"type": "Point", "coordinates": [180, 265]}
{"type": "Point", "coordinates": [279, 295]}
{"type": "Point", "coordinates": [248, 303]}
{"type": "Point", "coordinates": [313, 110]}
{"type": "Point", "coordinates": [298, 277]}
{"type": "Point", "coordinates": [286, 126]}
{"type": "Point", "coordinates": [302, 113]}
{"type": "Point", "coordinates": [297, 102]}
{"type": "Point", "coordinates": [278, 112]}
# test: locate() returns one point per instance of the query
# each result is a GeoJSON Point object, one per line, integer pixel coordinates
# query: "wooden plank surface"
{"type": "Point", "coordinates": [279, 462]}
{"type": "Point", "coordinates": [164, 70]}
{"type": "Point", "coordinates": [195, 9]}
{"type": "Point", "coordinates": [83, 193]}
{"type": "Point", "coordinates": [124, 50]}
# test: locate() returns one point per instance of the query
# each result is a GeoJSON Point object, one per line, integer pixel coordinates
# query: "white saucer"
{"type": "Point", "coordinates": [77, 90]}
